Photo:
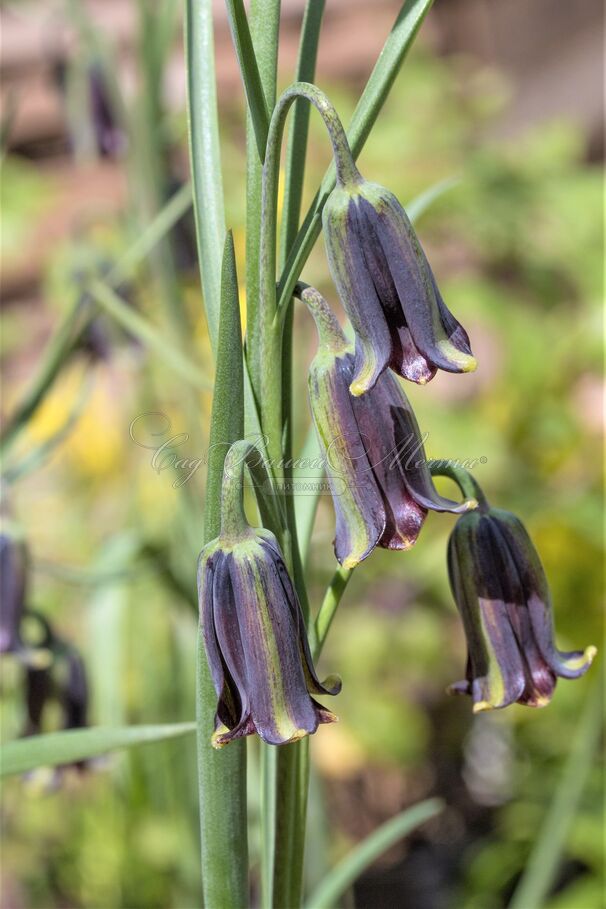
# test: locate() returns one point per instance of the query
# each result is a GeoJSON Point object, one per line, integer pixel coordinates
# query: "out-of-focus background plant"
{"type": "Point", "coordinates": [504, 99]}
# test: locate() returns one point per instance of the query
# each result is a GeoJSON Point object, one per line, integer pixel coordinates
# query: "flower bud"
{"type": "Point", "coordinates": [501, 591]}
{"type": "Point", "coordinates": [388, 290]}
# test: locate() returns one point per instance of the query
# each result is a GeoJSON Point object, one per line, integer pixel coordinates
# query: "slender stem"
{"type": "Point", "coordinates": [292, 770]}
{"type": "Point", "coordinates": [328, 609]}
{"type": "Point", "coordinates": [468, 485]}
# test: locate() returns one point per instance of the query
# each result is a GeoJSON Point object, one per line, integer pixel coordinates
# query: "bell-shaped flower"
{"type": "Point", "coordinates": [501, 591]}
{"type": "Point", "coordinates": [388, 289]}
{"type": "Point", "coordinates": [254, 632]}
{"type": "Point", "coordinates": [380, 481]}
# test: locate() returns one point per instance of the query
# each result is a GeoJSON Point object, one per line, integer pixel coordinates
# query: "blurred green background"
{"type": "Point", "coordinates": [516, 245]}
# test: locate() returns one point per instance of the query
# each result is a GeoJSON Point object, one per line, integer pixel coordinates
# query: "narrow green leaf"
{"type": "Point", "coordinates": [257, 105]}
{"type": "Point", "coordinates": [296, 151]}
{"type": "Point", "coordinates": [541, 869]}
{"type": "Point", "coordinates": [73, 745]}
{"type": "Point", "coordinates": [351, 867]}
{"type": "Point", "coordinates": [222, 774]}
{"type": "Point", "coordinates": [368, 108]}
{"type": "Point", "coordinates": [205, 154]}
{"type": "Point", "coordinates": [419, 205]}
{"type": "Point", "coordinates": [150, 336]}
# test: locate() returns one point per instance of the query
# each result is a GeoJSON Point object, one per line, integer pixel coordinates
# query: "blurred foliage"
{"type": "Point", "coordinates": [516, 248]}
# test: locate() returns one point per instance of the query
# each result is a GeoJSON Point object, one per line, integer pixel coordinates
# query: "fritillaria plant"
{"type": "Point", "coordinates": [259, 634]}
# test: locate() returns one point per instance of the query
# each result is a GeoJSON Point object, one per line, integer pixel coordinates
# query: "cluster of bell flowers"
{"type": "Point", "coordinates": [251, 619]}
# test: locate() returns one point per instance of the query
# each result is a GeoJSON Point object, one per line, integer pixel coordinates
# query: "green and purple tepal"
{"type": "Point", "coordinates": [253, 628]}
{"type": "Point", "coordinates": [387, 288]}
{"type": "Point", "coordinates": [378, 473]}
{"type": "Point", "coordinates": [501, 591]}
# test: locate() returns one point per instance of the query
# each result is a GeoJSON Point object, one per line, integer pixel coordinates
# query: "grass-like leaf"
{"type": "Point", "coordinates": [73, 745]}
{"type": "Point", "coordinates": [251, 78]}
{"type": "Point", "coordinates": [205, 154]}
{"type": "Point", "coordinates": [351, 867]}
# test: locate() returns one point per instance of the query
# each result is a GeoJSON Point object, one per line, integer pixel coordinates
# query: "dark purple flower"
{"type": "Point", "coordinates": [254, 634]}
{"type": "Point", "coordinates": [500, 588]}
{"type": "Point", "coordinates": [388, 289]}
{"type": "Point", "coordinates": [381, 485]}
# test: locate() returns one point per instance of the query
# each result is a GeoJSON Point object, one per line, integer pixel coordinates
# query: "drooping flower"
{"type": "Point", "coordinates": [388, 289]}
{"type": "Point", "coordinates": [501, 591]}
{"type": "Point", "coordinates": [381, 485]}
{"type": "Point", "coordinates": [254, 633]}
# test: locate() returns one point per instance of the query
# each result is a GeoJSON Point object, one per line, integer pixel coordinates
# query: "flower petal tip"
{"type": "Point", "coordinates": [350, 562]}
{"type": "Point", "coordinates": [482, 706]}
{"type": "Point", "coordinates": [470, 365]}
{"type": "Point", "coordinates": [590, 654]}
{"type": "Point", "coordinates": [358, 388]}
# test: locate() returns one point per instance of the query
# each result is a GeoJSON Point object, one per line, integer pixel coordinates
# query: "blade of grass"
{"type": "Point", "coordinates": [368, 108]}
{"type": "Point", "coordinates": [541, 869]}
{"type": "Point", "coordinates": [419, 205]}
{"type": "Point", "coordinates": [351, 867]}
{"type": "Point", "coordinates": [251, 78]}
{"type": "Point", "coordinates": [73, 745]}
{"type": "Point", "coordinates": [150, 336]}
{"type": "Point", "coordinates": [222, 775]}
{"type": "Point", "coordinates": [205, 155]}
